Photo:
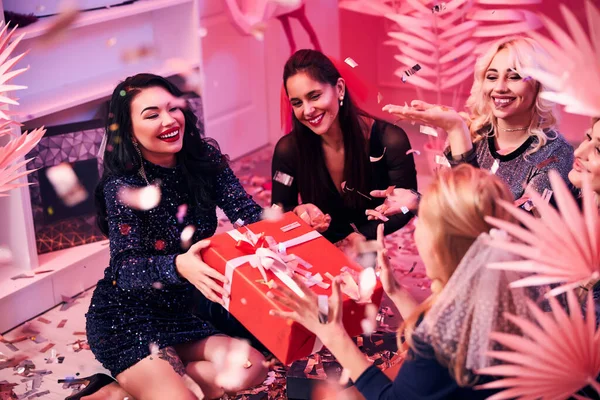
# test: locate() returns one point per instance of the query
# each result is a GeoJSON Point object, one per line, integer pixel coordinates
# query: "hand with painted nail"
{"type": "Point", "coordinates": [454, 123]}
{"type": "Point", "coordinates": [399, 201]}
{"type": "Point", "coordinates": [313, 216]}
{"type": "Point", "coordinates": [206, 279]}
{"type": "Point", "coordinates": [386, 274]}
{"type": "Point", "coordinates": [354, 239]}
{"type": "Point", "coordinates": [402, 298]}
{"type": "Point", "coordinates": [440, 116]}
{"type": "Point", "coordinates": [324, 319]}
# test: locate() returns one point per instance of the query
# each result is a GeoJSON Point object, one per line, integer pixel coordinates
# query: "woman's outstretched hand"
{"type": "Point", "coordinates": [386, 274]}
{"type": "Point", "coordinates": [191, 266]}
{"type": "Point", "coordinates": [327, 327]}
{"type": "Point", "coordinates": [313, 216]}
{"type": "Point", "coordinates": [454, 123]}
{"type": "Point", "coordinates": [402, 299]}
{"type": "Point", "coordinates": [399, 201]}
{"type": "Point", "coordinates": [440, 116]}
{"type": "Point", "coordinates": [305, 309]}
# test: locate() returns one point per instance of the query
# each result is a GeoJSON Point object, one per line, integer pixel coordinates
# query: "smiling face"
{"type": "Point", "coordinates": [158, 125]}
{"type": "Point", "coordinates": [587, 159]}
{"type": "Point", "coordinates": [510, 97]}
{"type": "Point", "coordinates": [315, 104]}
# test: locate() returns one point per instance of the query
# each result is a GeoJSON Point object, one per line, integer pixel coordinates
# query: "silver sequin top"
{"type": "Point", "coordinates": [518, 168]}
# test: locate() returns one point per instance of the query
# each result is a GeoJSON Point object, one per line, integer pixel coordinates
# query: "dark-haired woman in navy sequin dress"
{"type": "Point", "coordinates": [141, 324]}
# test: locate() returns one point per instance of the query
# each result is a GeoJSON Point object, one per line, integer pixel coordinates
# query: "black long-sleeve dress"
{"type": "Point", "coordinates": [142, 300]}
{"type": "Point", "coordinates": [395, 168]}
{"type": "Point", "coordinates": [421, 377]}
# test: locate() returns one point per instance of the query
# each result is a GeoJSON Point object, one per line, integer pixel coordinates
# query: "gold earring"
{"type": "Point", "coordinates": [141, 171]}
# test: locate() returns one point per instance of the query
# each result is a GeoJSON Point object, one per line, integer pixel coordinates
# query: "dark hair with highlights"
{"type": "Point", "coordinates": [120, 157]}
{"type": "Point", "coordinates": [312, 184]}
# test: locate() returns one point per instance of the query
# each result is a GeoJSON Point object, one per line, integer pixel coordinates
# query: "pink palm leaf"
{"type": "Point", "coordinates": [560, 247]}
{"type": "Point", "coordinates": [444, 43]}
{"type": "Point", "coordinates": [553, 359]}
{"type": "Point", "coordinates": [9, 156]}
{"type": "Point", "coordinates": [573, 72]}
{"type": "Point", "coordinates": [12, 153]}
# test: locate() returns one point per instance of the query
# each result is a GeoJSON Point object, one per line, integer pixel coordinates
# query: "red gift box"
{"type": "Point", "coordinates": [287, 340]}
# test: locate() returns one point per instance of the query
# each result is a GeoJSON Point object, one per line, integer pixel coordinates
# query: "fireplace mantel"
{"type": "Point", "coordinates": [77, 76]}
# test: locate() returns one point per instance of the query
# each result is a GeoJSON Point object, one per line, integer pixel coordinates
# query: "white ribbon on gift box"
{"type": "Point", "coordinates": [267, 259]}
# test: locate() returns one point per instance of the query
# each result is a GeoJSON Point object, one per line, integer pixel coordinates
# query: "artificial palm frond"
{"type": "Point", "coordinates": [11, 153]}
{"type": "Point", "coordinates": [444, 38]}
{"type": "Point", "coordinates": [560, 247]}
{"type": "Point", "coordinates": [16, 148]}
{"type": "Point", "coordinates": [553, 359]}
{"type": "Point", "coordinates": [572, 72]}
{"type": "Point", "coordinates": [6, 63]}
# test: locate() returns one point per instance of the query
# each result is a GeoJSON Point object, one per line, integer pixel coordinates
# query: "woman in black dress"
{"type": "Point", "coordinates": [334, 143]}
{"type": "Point", "coordinates": [141, 324]}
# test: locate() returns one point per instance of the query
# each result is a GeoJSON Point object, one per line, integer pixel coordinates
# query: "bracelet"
{"type": "Point", "coordinates": [417, 194]}
{"type": "Point", "coordinates": [464, 157]}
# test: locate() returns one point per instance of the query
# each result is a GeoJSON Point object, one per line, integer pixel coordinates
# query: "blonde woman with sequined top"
{"type": "Point", "coordinates": [509, 130]}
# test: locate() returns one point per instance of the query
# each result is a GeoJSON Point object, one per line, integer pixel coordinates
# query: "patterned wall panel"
{"type": "Point", "coordinates": [81, 143]}
{"type": "Point", "coordinates": [72, 143]}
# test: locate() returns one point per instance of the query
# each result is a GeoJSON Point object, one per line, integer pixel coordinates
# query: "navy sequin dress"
{"type": "Point", "coordinates": [142, 300]}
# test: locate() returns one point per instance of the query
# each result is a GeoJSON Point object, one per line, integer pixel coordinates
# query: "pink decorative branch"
{"type": "Point", "coordinates": [16, 148]}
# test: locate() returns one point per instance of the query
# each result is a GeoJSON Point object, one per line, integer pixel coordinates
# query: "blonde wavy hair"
{"type": "Point", "coordinates": [524, 53]}
{"type": "Point", "coordinates": [453, 208]}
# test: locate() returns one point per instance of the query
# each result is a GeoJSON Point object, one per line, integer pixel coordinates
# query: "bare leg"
{"type": "Point", "coordinates": [205, 373]}
{"type": "Point", "coordinates": [209, 348]}
{"type": "Point", "coordinates": [157, 378]}
{"type": "Point", "coordinates": [109, 392]}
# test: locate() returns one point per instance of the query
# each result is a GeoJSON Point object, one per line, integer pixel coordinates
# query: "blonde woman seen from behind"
{"type": "Point", "coordinates": [447, 335]}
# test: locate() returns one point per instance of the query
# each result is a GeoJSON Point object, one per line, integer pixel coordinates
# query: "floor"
{"type": "Point", "coordinates": [52, 346]}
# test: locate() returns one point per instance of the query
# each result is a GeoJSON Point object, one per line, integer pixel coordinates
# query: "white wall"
{"type": "Point", "coordinates": [243, 74]}
{"type": "Point", "coordinates": [324, 17]}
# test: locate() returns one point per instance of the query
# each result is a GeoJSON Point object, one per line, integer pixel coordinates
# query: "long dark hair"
{"type": "Point", "coordinates": [120, 157]}
{"type": "Point", "coordinates": [312, 184]}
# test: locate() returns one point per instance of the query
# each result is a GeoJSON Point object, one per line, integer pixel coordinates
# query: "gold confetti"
{"type": "Point", "coordinates": [111, 42]}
